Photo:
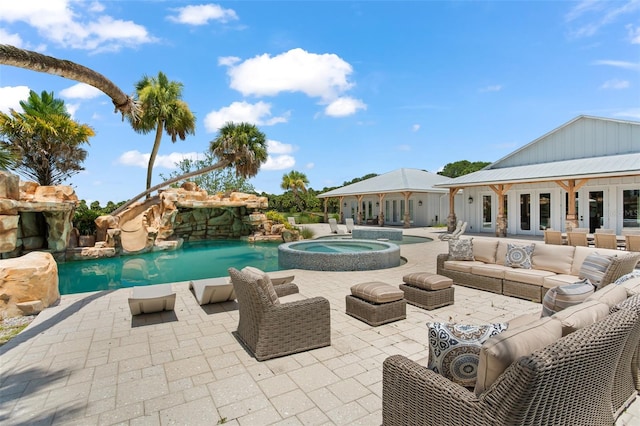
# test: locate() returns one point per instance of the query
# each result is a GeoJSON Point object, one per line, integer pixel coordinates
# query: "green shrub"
{"type": "Point", "coordinates": [307, 233]}
{"type": "Point", "coordinates": [276, 217]}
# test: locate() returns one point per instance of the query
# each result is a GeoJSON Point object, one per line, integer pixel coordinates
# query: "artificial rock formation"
{"type": "Point", "coordinates": [188, 213]}
{"type": "Point", "coordinates": [34, 217]}
{"type": "Point", "coordinates": [28, 284]}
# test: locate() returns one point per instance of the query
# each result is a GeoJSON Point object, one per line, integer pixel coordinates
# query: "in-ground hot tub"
{"type": "Point", "coordinates": [338, 255]}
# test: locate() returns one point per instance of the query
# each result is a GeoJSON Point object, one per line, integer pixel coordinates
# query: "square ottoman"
{"type": "Point", "coordinates": [427, 290]}
{"type": "Point", "coordinates": [376, 303]}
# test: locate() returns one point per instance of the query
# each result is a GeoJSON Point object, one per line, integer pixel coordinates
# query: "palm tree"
{"type": "Point", "coordinates": [44, 141]}
{"type": "Point", "coordinates": [295, 181]}
{"type": "Point", "coordinates": [162, 109]}
{"type": "Point", "coordinates": [241, 146]}
{"type": "Point", "coordinates": [13, 56]}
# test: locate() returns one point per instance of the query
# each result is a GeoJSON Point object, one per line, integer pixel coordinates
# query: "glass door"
{"type": "Point", "coordinates": [544, 200]}
{"type": "Point", "coordinates": [487, 214]}
{"type": "Point", "coordinates": [525, 213]}
{"type": "Point", "coordinates": [596, 210]}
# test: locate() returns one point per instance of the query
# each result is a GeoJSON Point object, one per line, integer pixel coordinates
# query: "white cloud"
{"type": "Point", "coordinates": [323, 76]}
{"type": "Point", "coordinates": [635, 66]}
{"type": "Point", "coordinates": [138, 159]}
{"type": "Point", "coordinates": [10, 97]}
{"type": "Point", "coordinates": [403, 147]}
{"type": "Point", "coordinates": [343, 107]}
{"type": "Point", "coordinates": [80, 91]}
{"type": "Point", "coordinates": [228, 61]}
{"type": "Point", "coordinates": [615, 84]}
{"type": "Point", "coordinates": [278, 162]}
{"type": "Point", "coordinates": [493, 88]}
{"type": "Point", "coordinates": [309, 166]}
{"type": "Point", "coordinates": [592, 15]}
{"type": "Point", "coordinates": [633, 113]}
{"type": "Point", "coordinates": [278, 157]}
{"type": "Point", "coordinates": [202, 14]}
{"type": "Point", "coordinates": [634, 34]}
{"type": "Point", "coordinates": [275, 147]}
{"type": "Point", "coordinates": [258, 114]}
{"type": "Point", "coordinates": [11, 39]}
{"type": "Point", "coordinates": [74, 24]}
{"type": "Point", "coordinates": [415, 127]}
{"type": "Point", "coordinates": [134, 158]}
{"type": "Point", "coordinates": [72, 108]}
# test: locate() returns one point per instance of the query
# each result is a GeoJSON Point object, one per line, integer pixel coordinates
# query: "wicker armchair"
{"type": "Point", "coordinates": [271, 330]}
{"type": "Point", "coordinates": [561, 384]}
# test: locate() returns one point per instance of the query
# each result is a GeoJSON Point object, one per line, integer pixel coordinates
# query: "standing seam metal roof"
{"type": "Point", "coordinates": [400, 180]}
{"type": "Point", "coordinates": [613, 165]}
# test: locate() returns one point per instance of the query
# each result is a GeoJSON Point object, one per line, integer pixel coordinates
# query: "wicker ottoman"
{"type": "Point", "coordinates": [376, 303]}
{"type": "Point", "coordinates": [427, 290]}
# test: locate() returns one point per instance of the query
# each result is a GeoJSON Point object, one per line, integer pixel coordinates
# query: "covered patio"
{"type": "Point", "coordinates": [584, 174]}
{"type": "Point", "coordinates": [404, 197]}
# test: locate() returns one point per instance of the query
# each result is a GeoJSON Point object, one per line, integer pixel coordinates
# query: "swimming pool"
{"type": "Point", "coordinates": [194, 261]}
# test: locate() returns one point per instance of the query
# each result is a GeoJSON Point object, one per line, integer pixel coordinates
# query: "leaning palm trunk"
{"type": "Point", "coordinates": [154, 153]}
{"type": "Point", "coordinates": [13, 56]}
{"type": "Point", "coordinates": [219, 165]}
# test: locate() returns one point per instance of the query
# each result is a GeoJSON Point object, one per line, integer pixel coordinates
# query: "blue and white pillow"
{"type": "Point", "coordinates": [518, 256]}
{"type": "Point", "coordinates": [454, 349]}
{"type": "Point", "coordinates": [594, 267]}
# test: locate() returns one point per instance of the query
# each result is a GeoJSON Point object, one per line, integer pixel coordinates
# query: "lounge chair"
{"type": "Point", "coordinates": [212, 290]}
{"type": "Point", "coordinates": [217, 290]}
{"type": "Point", "coordinates": [462, 226]}
{"type": "Point", "coordinates": [151, 298]}
{"type": "Point", "coordinates": [292, 221]}
{"type": "Point", "coordinates": [350, 225]}
{"type": "Point", "coordinates": [333, 224]}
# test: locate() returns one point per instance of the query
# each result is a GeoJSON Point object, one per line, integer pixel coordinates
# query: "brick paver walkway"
{"type": "Point", "coordinates": [87, 362]}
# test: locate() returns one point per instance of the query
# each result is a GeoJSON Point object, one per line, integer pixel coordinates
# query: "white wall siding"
{"type": "Point", "coordinates": [583, 138]}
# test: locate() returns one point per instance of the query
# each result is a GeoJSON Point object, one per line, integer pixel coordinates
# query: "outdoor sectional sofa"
{"type": "Point", "coordinates": [566, 369]}
{"type": "Point", "coordinates": [551, 266]}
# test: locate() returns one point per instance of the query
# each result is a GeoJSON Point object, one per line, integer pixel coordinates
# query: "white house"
{"type": "Point", "coordinates": [585, 173]}
{"type": "Point", "coordinates": [407, 197]}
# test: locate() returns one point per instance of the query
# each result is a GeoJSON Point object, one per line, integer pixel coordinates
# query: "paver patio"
{"type": "Point", "coordinates": [87, 362]}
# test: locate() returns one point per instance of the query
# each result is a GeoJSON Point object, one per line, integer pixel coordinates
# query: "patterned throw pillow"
{"type": "Point", "coordinates": [263, 280]}
{"type": "Point", "coordinates": [594, 267]}
{"type": "Point", "coordinates": [454, 349]}
{"type": "Point", "coordinates": [461, 249]}
{"type": "Point", "coordinates": [561, 297]}
{"type": "Point", "coordinates": [518, 256]}
{"type": "Point", "coordinates": [631, 275]}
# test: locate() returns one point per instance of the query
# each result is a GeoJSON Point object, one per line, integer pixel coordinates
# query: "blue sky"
{"type": "Point", "coordinates": [341, 89]}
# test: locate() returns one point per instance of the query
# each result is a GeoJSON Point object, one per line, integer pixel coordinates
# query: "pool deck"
{"type": "Point", "coordinates": [86, 361]}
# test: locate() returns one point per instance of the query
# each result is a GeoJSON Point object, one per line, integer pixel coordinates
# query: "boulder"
{"type": "Point", "coordinates": [9, 186]}
{"type": "Point", "coordinates": [29, 278]}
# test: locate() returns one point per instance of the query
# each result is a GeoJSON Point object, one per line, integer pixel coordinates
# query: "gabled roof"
{"type": "Point", "coordinates": [399, 180]}
{"type": "Point", "coordinates": [585, 147]}
{"type": "Point", "coordinates": [595, 167]}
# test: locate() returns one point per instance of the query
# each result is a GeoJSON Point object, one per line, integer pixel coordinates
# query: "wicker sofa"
{"type": "Point", "coordinates": [582, 378]}
{"type": "Point", "coordinates": [551, 266]}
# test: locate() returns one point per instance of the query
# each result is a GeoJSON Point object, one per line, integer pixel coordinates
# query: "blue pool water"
{"type": "Point", "coordinates": [192, 262]}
